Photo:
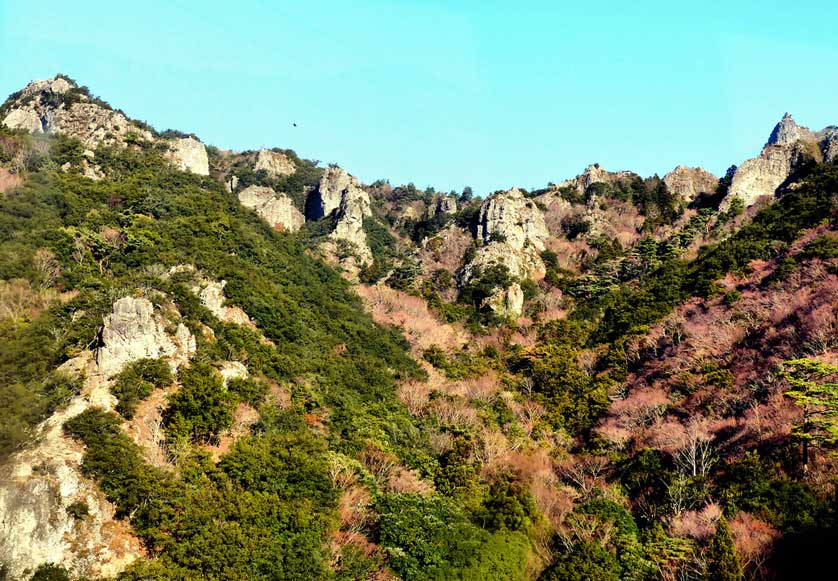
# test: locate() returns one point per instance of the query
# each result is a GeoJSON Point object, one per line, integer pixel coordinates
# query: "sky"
{"type": "Point", "coordinates": [447, 93]}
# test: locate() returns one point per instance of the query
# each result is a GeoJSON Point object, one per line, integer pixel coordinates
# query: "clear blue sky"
{"type": "Point", "coordinates": [447, 93]}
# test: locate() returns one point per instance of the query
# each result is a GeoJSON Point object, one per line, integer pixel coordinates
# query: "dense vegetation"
{"type": "Point", "coordinates": [490, 463]}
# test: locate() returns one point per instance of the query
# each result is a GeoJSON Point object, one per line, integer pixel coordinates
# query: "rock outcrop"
{"type": "Point", "coordinates": [40, 485]}
{"type": "Point", "coordinates": [59, 106]}
{"type": "Point", "coordinates": [595, 174]}
{"type": "Point", "coordinates": [134, 331]}
{"type": "Point", "coordinates": [507, 302]}
{"type": "Point", "coordinates": [327, 198]}
{"type": "Point", "coordinates": [212, 297]}
{"type": "Point", "coordinates": [349, 221]}
{"type": "Point", "coordinates": [189, 154]}
{"type": "Point", "coordinates": [512, 218]}
{"type": "Point", "coordinates": [513, 231]}
{"type": "Point", "coordinates": [341, 195]}
{"type": "Point", "coordinates": [445, 205]}
{"type": "Point", "coordinates": [232, 370]}
{"type": "Point", "coordinates": [829, 140]}
{"type": "Point", "coordinates": [277, 209]}
{"type": "Point", "coordinates": [789, 147]}
{"type": "Point", "coordinates": [276, 164]}
{"type": "Point", "coordinates": [690, 182]}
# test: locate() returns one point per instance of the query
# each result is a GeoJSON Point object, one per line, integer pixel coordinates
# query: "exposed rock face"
{"type": "Point", "coordinates": [39, 484]}
{"type": "Point", "coordinates": [445, 205]}
{"type": "Point", "coordinates": [334, 185]}
{"type": "Point", "coordinates": [189, 154]}
{"type": "Point", "coordinates": [231, 183]}
{"type": "Point", "coordinates": [690, 182]}
{"type": "Point", "coordinates": [57, 106]}
{"type": "Point", "coordinates": [341, 193]}
{"type": "Point", "coordinates": [513, 232]}
{"type": "Point", "coordinates": [508, 302]}
{"type": "Point", "coordinates": [212, 297]}
{"type": "Point", "coordinates": [275, 163]}
{"type": "Point", "coordinates": [787, 132]}
{"type": "Point", "coordinates": [829, 138]}
{"type": "Point", "coordinates": [521, 262]}
{"type": "Point", "coordinates": [277, 209]}
{"type": "Point", "coordinates": [133, 331]}
{"type": "Point", "coordinates": [788, 148]}
{"type": "Point", "coordinates": [232, 370]}
{"type": "Point", "coordinates": [595, 174]}
{"type": "Point", "coordinates": [349, 220]}
{"type": "Point", "coordinates": [24, 119]}
{"type": "Point", "coordinates": [513, 218]}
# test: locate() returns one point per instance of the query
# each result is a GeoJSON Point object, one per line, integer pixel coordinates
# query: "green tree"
{"type": "Point", "coordinates": [587, 561]}
{"type": "Point", "coordinates": [50, 572]}
{"type": "Point", "coordinates": [201, 408]}
{"type": "Point", "coordinates": [722, 563]}
{"type": "Point", "coordinates": [818, 399]}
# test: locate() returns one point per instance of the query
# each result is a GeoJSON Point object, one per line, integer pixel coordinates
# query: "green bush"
{"type": "Point", "coordinates": [201, 408]}
{"type": "Point", "coordinates": [586, 561]}
{"type": "Point", "coordinates": [429, 538]}
{"type": "Point", "coordinates": [136, 382]}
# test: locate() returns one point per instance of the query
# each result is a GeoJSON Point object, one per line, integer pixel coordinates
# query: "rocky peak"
{"type": "Point", "coordinates": [58, 84]}
{"type": "Point", "coordinates": [787, 131]}
{"type": "Point", "coordinates": [277, 209]}
{"type": "Point", "coordinates": [690, 182]}
{"type": "Point", "coordinates": [60, 106]}
{"type": "Point", "coordinates": [335, 184]}
{"type": "Point", "coordinates": [511, 217]}
{"type": "Point", "coordinates": [276, 164]}
{"type": "Point", "coordinates": [788, 147]}
{"type": "Point", "coordinates": [594, 174]}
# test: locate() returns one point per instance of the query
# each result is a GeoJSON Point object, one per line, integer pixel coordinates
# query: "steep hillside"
{"type": "Point", "coordinates": [221, 364]}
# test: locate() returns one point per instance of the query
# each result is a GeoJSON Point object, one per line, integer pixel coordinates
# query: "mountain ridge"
{"type": "Point", "coordinates": [271, 370]}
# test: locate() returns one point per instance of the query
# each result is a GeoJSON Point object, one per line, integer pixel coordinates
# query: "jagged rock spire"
{"type": "Point", "coordinates": [787, 131]}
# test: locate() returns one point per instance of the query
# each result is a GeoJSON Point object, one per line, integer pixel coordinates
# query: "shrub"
{"type": "Point", "coordinates": [137, 381]}
{"type": "Point", "coordinates": [201, 408]}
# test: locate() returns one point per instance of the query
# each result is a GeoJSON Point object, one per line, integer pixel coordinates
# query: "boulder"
{"type": "Point", "coordinates": [25, 119]}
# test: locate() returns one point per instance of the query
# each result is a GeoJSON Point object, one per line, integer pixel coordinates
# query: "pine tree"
{"type": "Point", "coordinates": [818, 399]}
{"type": "Point", "coordinates": [722, 563]}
